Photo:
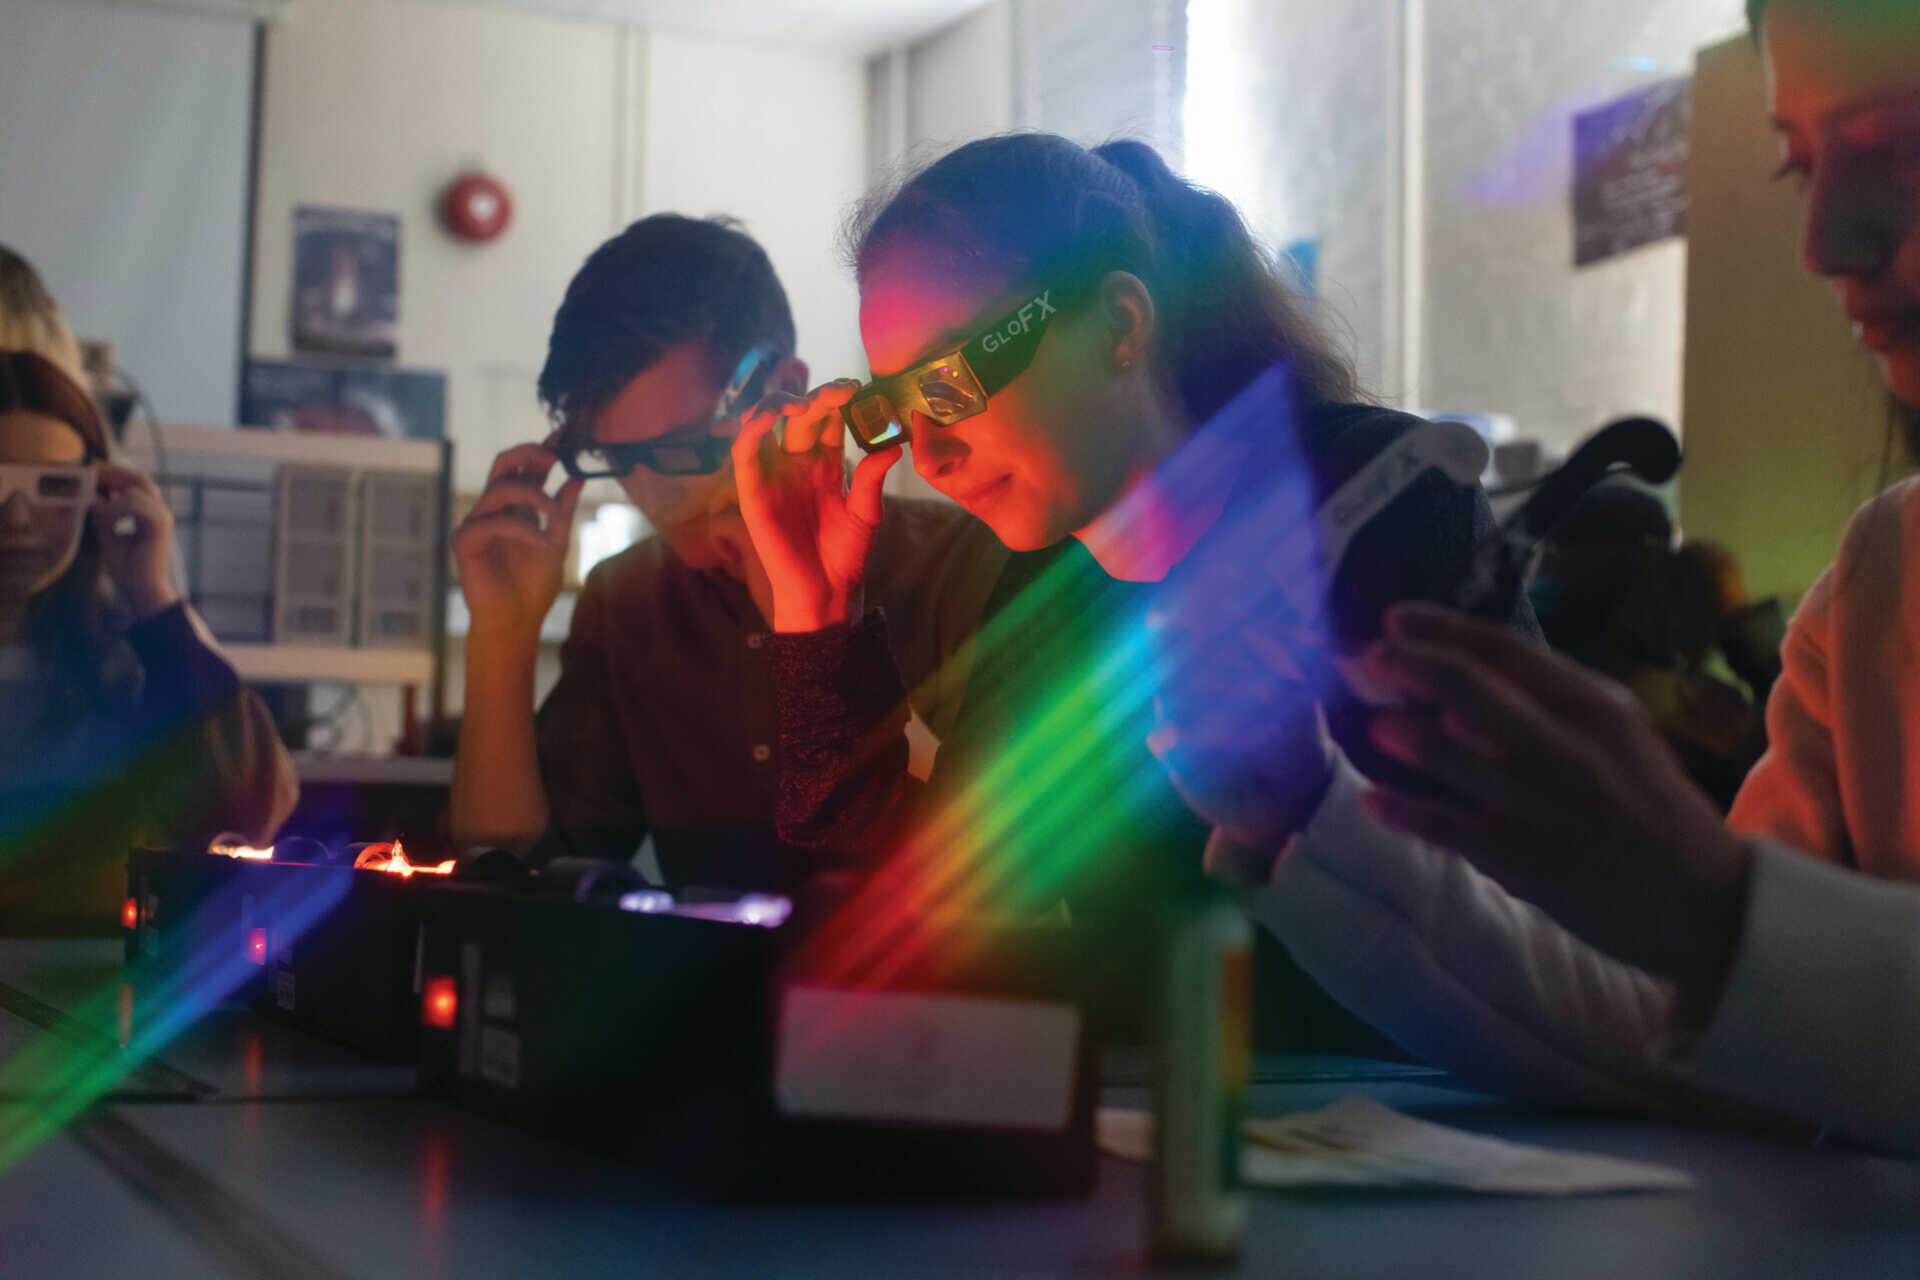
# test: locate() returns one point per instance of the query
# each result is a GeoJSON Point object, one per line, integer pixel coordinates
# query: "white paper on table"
{"type": "Point", "coordinates": [1357, 1142]}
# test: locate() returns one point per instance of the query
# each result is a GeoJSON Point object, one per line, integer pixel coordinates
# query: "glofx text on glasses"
{"type": "Point", "coordinates": [952, 387]}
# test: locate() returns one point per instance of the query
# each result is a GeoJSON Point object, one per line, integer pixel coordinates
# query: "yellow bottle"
{"type": "Point", "coordinates": [1197, 1205]}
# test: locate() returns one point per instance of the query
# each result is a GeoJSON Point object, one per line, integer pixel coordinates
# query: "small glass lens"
{"type": "Point", "coordinates": [596, 462]}
{"type": "Point", "coordinates": [59, 486]}
{"type": "Point", "coordinates": [873, 419]}
{"type": "Point", "coordinates": [678, 460]}
{"type": "Point", "coordinates": [950, 391]}
{"type": "Point", "coordinates": [750, 380]}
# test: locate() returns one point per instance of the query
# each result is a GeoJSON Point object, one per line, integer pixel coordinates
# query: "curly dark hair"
{"type": "Point", "coordinates": [665, 280]}
{"type": "Point", "coordinates": [1036, 205]}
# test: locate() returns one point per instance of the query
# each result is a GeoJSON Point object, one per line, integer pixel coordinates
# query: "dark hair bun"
{"type": "Point", "coordinates": [1138, 161]}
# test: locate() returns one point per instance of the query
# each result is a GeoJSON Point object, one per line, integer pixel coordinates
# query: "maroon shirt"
{"type": "Point", "coordinates": [663, 719]}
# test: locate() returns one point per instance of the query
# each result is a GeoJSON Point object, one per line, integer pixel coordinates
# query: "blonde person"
{"type": "Point", "coordinates": [30, 320]}
{"type": "Point", "coordinates": [124, 723]}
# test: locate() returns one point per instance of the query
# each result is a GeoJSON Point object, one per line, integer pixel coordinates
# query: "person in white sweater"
{"type": "Point", "coordinates": [1601, 936]}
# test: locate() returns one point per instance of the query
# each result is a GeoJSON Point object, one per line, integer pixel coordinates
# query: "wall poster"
{"type": "Point", "coordinates": [1630, 171]}
{"type": "Point", "coordinates": [397, 404]}
{"type": "Point", "coordinates": [346, 281]}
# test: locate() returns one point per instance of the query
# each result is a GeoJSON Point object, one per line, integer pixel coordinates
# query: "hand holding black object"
{"type": "Point", "coordinates": [512, 547]}
{"type": "Point", "coordinates": [1566, 794]}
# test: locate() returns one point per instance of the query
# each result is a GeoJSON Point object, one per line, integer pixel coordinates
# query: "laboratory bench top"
{"type": "Point", "coordinates": [245, 1147]}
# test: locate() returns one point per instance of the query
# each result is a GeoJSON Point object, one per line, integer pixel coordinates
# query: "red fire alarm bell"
{"type": "Point", "coordinates": [476, 207]}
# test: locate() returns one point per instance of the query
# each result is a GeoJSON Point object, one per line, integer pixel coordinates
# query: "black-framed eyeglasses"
{"type": "Point", "coordinates": [952, 387]}
{"type": "Point", "coordinates": [698, 452]}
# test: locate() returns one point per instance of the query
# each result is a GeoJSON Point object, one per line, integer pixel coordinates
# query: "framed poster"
{"type": "Point", "coordinates": [346, 281]}
{"type": "Point", "coordinates": [398, 404]}
{"type": "Point", "coordinates": [1630, 171]}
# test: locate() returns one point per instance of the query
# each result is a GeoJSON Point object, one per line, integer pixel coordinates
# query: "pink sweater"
{"type": "Point", "coordinates": [1841, 777]}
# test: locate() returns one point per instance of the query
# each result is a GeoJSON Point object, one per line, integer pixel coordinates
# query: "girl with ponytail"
{"type": "Point", "coordinates": [1118, 323]}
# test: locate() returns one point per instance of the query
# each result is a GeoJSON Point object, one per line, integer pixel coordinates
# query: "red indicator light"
{"type": "Point", "coordinates": [257, 946]}
{"type": "Point", "coordinates": [130, 914]}
{"type": "Point", "coordinates": [439, 1002]}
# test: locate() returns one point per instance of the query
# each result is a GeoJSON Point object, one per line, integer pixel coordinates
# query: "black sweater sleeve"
{"type": "Point", "coordinates": [842, 717]}
{"type": "Point", "coordinates": [204, 742]}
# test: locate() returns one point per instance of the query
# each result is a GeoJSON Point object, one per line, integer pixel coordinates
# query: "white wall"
{"type": "Point", "coordinates": [1512, 326]}
{"type": "Point", "coordinates": [123, 179]}
{"type": "Point", "coordinates": [777, 138]}
{"type": "Point", "coordinates": [1089, 69]}
{"type": "Point", "coordinates": [1291, 113]}
{"type": "Point", "coordinates": [1294, 111]}
{"type": "Point", "coordinates": [960, 81]}
{"type": "Point", "coordinates": [376, 104]}
{"type": "Point", "coordinates": [1099, 69]}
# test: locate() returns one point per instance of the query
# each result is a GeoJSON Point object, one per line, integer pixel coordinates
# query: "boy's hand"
{"type": "Point", "coordinates": [512, 546]}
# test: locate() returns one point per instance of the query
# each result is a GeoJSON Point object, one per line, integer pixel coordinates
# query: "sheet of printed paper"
{"type": "Point", "coordinates": [1357, 1142]}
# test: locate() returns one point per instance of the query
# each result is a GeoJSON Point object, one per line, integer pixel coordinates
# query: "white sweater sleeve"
{"type": "Point", "coordinates": [1820, 1015]}
{"type": "Point", "coordinates": [1455, 969]}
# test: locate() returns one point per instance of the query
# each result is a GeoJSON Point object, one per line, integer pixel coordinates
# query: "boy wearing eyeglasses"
{"type": "Point", "coordinates": [662, 721]}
